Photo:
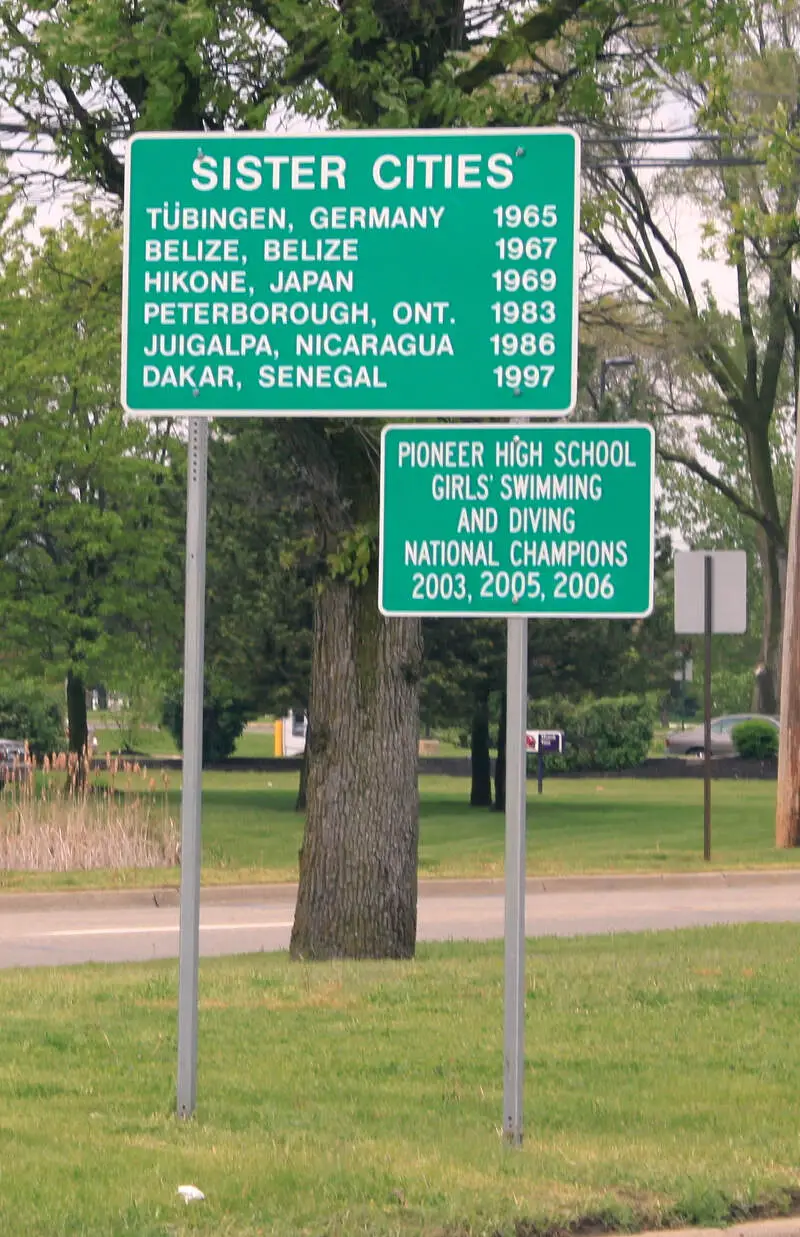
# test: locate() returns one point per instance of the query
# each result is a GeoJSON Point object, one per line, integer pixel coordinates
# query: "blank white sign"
{"type": "Point", "coordinates": [728, 591]}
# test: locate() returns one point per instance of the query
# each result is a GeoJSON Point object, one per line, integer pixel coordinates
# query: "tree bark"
{"type": "Point", "coordinates": [77, 722]}
{"type": "Point", "coordinates": [772, 556]}
{"type": "Point", "coordinates": [500, 763]}
{"type": "Point", "coordinates": [481, 789]}
{"type": "Point", "coordinates": [768, 681]}
{"type": "Point", "coordinates": [78, 727]}
{"type": "Point", "coordinates": [357, 896]}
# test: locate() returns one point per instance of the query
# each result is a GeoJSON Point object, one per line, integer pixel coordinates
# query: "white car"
{"type": "Point", "coordinates": [691, 742]}
{"type": "Point", "coordinates": [12, 757]}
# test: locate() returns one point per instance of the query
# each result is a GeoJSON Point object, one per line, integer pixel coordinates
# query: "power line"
{"type": "Point", "coordinates": [690, 162]}
{"type": "Point", "coordinates": [622, 139]}
{"type": "Point", "coordinates": [612, 139]}
{"type": "Point", "coordinates": [635, 161]}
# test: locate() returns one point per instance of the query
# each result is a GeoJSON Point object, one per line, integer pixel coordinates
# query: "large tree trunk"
{"type": "Point", "coordinates": [766, 692]}
{"type": "Point", "coordinates": [358, 865]}
{"type": "Point", "coordinates": [78, 727]}
{"type": "Point", "coordinates": [77, 721]}
{"type": "Point", "coordinates": [772, 557]}
{"type": "Point", "coordinates": [481, 789]}
{"type": "Point", "coordinates": [787, 815]}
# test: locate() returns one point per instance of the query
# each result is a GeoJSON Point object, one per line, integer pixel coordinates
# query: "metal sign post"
{"type": "Point", "coordinates": [710, 598]}
{"type": "Point", "coordinates": [191, 794]}
{"type": "Point", "coordinates": [708, 620]}
{"type": "Point", "coordinates": [516, 520]}
{"type": "Point", "coordinates": [514, 1021]}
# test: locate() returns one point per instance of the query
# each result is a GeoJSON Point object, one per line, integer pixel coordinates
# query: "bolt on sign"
{"type": "Point", "coordinates": [517, 520]}
{"type": "Point", "coordinates": [351, 274]}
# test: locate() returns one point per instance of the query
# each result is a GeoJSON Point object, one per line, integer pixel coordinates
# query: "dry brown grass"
{"type": "Point", "coordinates": [71, 813]}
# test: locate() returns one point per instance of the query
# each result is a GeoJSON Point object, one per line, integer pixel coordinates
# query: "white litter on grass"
{"type": "Point", "coordinates": [191, 1194]}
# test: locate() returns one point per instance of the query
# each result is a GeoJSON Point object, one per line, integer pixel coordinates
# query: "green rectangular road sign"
{"type": "Point", "coordinates": [516, 520]}
{"type": "Point", "coordinates": [351, 274]}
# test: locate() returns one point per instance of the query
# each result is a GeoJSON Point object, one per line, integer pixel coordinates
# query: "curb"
{"type": "Point", "coordinates": [228, 895]}
{"type": "Point", "coordinates": [785, 1226]}
{"type": "Point", "coordinates": [164, 896]}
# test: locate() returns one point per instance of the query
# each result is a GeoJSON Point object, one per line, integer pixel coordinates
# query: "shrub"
{"type": "Point", "coordinates": [224, 719]}
{"type": "Point", "coordinates": [141, 691]}
{"type": "Point", "coordinates": [602, 734]}
{"type": "Point", "coordinates": [755, 740]}
{"type": "Point", "coordinates": [30, 711]}
{"type": "Point", "coordinates": [459, 736]}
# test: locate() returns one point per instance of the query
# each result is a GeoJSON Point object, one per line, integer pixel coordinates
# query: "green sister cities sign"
{"type": "Point", "coordinates": [351, 274]}
{"type": "Point", "coordinates": [547, 520]}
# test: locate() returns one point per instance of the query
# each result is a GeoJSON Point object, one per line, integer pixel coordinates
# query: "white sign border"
{"type": "Point", "coordinates": [517, 612]}
{"type": "Point", "coordinates": [415, 413]}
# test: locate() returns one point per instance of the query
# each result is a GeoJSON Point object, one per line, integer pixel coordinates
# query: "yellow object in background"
{"type": "Point", "coordinates": [279, 736]}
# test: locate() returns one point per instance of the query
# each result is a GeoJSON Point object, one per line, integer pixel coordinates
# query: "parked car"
{"type": "Point", "coordinates": [691, 742]}
{"type": "Point", "coordinates": [12, 757]}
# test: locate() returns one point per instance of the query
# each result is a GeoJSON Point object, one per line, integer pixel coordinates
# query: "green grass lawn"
{"type": "Point", "coordinates": [337, 1099]}
{"type": "Point", "coordinates": [252, 833]}
{"type": "Point", "coordinates": [151, 742]}
{"type": "Point", "coordinates": [445, 748]}
{"type": "Point", "coordinates": [145, 741]}
{"type": "Point", "coordinates": [255, 744]}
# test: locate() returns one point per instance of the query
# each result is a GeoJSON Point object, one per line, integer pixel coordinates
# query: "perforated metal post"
{"type": "Point", "coordinates": [191, 794]}
{"type": "Point", "coordinates": [708, 624]}
{"type": "Point", "coordinates": [514, 1021]}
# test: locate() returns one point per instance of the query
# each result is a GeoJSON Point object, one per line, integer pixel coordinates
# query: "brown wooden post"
{"type": "Point", "coordinates": [787, 817]}
{"type": "Point", "coordinates": [708, 624]}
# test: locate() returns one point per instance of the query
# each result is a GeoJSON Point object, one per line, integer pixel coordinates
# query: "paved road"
{"type": "Point", "coordinates": [56, 929]}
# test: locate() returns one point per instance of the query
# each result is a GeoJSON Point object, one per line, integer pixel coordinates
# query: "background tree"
{"type": "Point", "coordinates": [263, 564]}
{"type": "Point", "coordinates": [705, 484]}
{"type": "Point", "coordinates": [464, 665]}
{"type": "Point", "coordinates": [738, 94]}
{"type": "Point", "coordinates": [88, 549]}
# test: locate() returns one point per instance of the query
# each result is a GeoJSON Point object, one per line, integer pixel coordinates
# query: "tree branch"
{"type": "Point", "coordinates": [774, 531]}
{"type": "Point", "coordinates": [540, 28]}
